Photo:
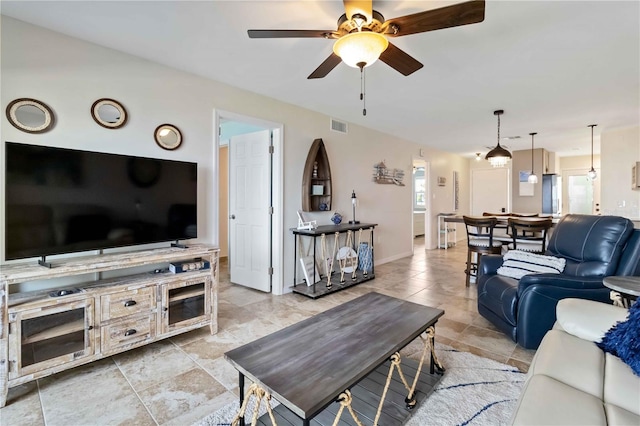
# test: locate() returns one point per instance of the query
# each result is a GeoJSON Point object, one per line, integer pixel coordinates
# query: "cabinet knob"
{"type": "Point", "coordinates": [90, 327]}
{"type": "Point", "coordinates": [233, 216]}
{"type": "Point", "coordinates": [129, 303]}
{"type": "Point", "coordinates": [130, 332]}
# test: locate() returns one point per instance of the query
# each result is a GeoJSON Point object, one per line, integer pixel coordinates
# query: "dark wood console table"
{"type": "Point", "coordinates": [320, 288]}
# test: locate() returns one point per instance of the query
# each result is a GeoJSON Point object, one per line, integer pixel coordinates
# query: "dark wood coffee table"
{"type": "Point", "coordinates": [306, 366]}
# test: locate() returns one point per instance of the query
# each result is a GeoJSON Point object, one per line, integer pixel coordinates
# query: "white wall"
{"type": "Point", "coordinates": [619, 150]}
{"type": "Point", "coordinates": [522, 162]}
{"type": "Point", "coordinates": [580, 162]}
{"type": "Point", "coordinates": [229, 129]}
{"type": "Point", "coordinates": [69, 75]}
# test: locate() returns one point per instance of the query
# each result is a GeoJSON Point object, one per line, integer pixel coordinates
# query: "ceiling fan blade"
{"type": "Point", "coordinates": [325, 68]}
{"type": "Point", "coordinates": [455, 15]}
{"type": "Point", "coordinates": [291, 34]}
{"type": "Point", "coordinates": [399, 60]}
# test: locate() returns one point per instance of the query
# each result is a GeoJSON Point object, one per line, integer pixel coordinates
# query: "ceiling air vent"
{"type": "Point", "coordinates": [338, 126]}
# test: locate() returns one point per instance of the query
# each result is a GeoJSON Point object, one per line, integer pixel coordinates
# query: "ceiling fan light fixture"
{"type": "Point", "coordinates": [498, 156]}
{"type": "Point", "coordinates": [360, 49]}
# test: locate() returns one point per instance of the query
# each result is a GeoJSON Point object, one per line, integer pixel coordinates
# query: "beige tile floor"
{"type": "Point", "coordinates": [180, 380]}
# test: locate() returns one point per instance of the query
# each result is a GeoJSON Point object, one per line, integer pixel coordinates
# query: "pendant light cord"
{"type": "Point", "coordinates": [592, 146]}
{"type": "Point", "coordinates": [532, 136]}
{"type": "Point", "coordinates": [498, 129]}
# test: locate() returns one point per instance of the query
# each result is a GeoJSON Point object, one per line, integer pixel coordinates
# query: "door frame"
{"type": "Point", "coordinates": [422, 162]}
{"type": "Point", "coordinates": [277, 181]}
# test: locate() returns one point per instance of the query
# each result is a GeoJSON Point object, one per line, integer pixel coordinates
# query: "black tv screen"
{"type": "Point", "coordinates": [64, 200]}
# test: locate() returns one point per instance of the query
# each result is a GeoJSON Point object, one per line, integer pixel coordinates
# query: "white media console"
{"type": "Point", "coordinates": [47, 331]}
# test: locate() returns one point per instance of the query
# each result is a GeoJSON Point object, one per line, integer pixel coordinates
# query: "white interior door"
{"type": "Point", "coordinates": [490, 191]}
{"type": "Point", "coordinates": [580, 195]}
{"type": "Point", "coordinates": [249, 203]}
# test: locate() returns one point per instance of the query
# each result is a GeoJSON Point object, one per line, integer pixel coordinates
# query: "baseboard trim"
{"type": "Point", "coordinates": [392, 258]}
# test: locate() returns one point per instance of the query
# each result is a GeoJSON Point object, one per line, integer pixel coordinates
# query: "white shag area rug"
{"type": "Point", "coordinates": [473, 391]}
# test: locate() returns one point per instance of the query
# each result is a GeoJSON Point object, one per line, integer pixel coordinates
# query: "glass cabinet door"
{"type": "Point", "coordinates": [185, 303]}
{"type": "Point", "coordinates": [50, 336]}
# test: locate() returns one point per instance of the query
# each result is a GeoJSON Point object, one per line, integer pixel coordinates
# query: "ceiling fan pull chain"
{"type": "Point", "coordinates": [363, 90]}
{"type": "Point", "coordinates": [361, 85]}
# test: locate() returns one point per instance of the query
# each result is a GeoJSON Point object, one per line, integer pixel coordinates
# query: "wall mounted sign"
{"type": "Point", "coordinates": [384, 175]}
{"type": "Point", "coordinates": [456, 191]}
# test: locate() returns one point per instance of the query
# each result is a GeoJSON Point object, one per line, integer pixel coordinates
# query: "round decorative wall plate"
{"type": "Point", "coordinates": [30, 115]}
{"type": "Point", "coordinates": [168, 137]}
{"type": "Point", "coordinates": [109, 113]}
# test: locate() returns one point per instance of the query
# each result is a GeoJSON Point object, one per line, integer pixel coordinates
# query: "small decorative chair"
{"type": "Point", "coordinates": [479, 241]}
{"type": "Point", "coordinates": [529, 234]}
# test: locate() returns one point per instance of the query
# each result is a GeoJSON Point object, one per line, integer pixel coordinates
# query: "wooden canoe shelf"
{"type": "Point", "coordinates": [316, 186]}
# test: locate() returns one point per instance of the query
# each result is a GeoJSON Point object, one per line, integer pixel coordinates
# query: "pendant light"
{"type": "Point", "coordinates": [498, 156]}
{"type": "Point", "coordinates": [591, 174]}
{"type": "Point", "coordinates": [532, 177]}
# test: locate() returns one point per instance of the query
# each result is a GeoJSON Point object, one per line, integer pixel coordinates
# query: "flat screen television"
{"type": "Point", "coordinates": [65, 200]}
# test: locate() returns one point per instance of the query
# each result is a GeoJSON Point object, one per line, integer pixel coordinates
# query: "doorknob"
{"type": "Point", "coordinates": [233, 216]}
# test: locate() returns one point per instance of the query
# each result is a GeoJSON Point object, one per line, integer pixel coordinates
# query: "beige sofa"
{"type": "Point", "coordinates": [573, 382]}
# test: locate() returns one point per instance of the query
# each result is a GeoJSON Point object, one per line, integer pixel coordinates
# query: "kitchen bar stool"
{"type": "Point", "coordinates": [479, 241]}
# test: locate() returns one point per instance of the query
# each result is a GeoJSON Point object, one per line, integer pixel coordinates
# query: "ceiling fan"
{"type": "Point", "coordinates": [361, 36]}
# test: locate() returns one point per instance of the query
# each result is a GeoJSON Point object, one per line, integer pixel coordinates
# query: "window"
{"type": "Point", "coordinates": [419, 188]}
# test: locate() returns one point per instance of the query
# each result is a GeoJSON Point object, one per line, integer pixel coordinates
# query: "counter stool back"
{"type": "Point", "coordinates": [529, 234]}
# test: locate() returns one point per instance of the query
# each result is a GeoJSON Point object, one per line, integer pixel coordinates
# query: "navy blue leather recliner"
{"type": "Point", "coordinates": [593, 246]}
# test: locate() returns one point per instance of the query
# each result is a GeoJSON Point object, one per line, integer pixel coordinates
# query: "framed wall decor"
{"type": "Point", "coordinates": [525, 188]}
{"type": "Point", "coordinates": [168, 137]}
{"type": "Point", "coordinates": [109, 113]}
{"type": "Point", "coordinates": [30, 115]}
{"type": "Point", "coordinates": [456, 191]}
